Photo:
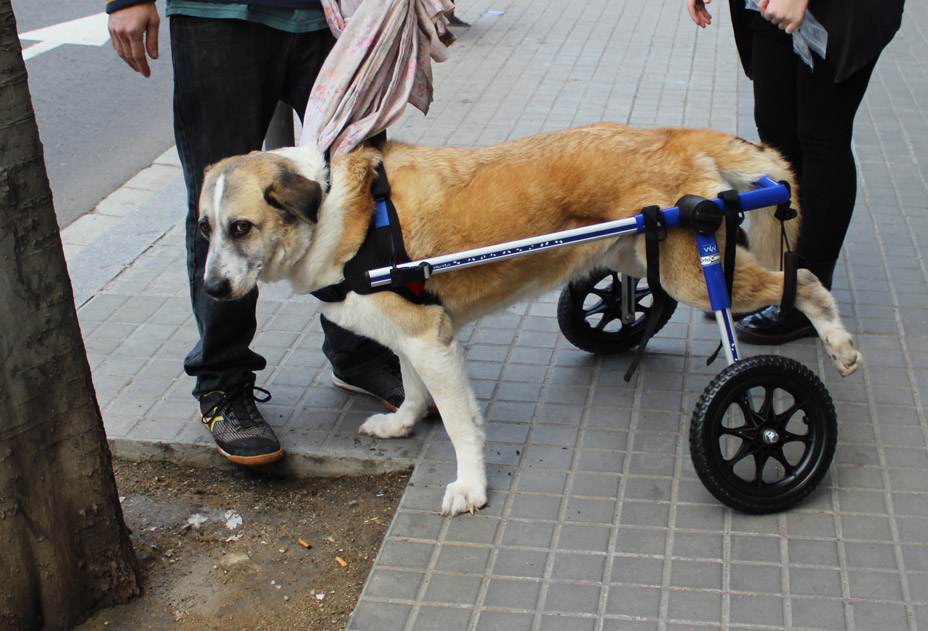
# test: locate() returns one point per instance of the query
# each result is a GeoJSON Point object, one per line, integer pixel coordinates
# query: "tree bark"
{"type": "Point", "coordinates": [64, 547]}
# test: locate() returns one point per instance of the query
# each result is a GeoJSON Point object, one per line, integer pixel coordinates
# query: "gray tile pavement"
{"type": "Point", "coordinates": [596, 518]}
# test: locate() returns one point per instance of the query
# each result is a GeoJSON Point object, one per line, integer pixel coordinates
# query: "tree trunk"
{"type": "Point", "coordinates": [64, 547]}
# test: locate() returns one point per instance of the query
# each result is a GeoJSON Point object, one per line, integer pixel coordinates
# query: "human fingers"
{"type": "Point", "coordinates": [698, 12]}
{"type": "Point", "coordinates": [137, 52]}
{"type": "Point", "coordinates": [151, 40]}
{"type": "Point", "coordinates": [134, 33]}
{"type": "Point", "coordinates": [786, 14]}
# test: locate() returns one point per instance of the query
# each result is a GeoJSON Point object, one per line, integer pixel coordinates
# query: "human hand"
{"type": "Point", "coordinates": [697, 9]}
{"type": "Point", "coordinates": [134, 31]}
{"type": "Point", "coordinates": [787, 14]}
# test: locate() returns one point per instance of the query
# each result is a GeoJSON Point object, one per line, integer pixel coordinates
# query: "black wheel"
{"type": "Point", "coordinates": [763, 434]}
{"type": "Point", "coordinates": [589, 313]}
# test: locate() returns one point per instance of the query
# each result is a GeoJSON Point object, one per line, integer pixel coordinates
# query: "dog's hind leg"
{"type": "Point", "coordinates": [812, 299]}
{"type": "Point", "coordinates": [819, 306]}
{"type": "Point", "coordinates": [756, 287]}
{"type": "Point", "coordinates": [414, 407]}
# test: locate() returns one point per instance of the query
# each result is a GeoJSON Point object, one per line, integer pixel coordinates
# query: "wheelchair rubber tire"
{"type": "Point", "coordinates": [765, 433]}
{"type": "Point", "coordinates": [591, 328]}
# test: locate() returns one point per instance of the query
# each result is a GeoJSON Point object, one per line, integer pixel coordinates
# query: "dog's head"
{"type": "Point", "coordinates": [259, 213]}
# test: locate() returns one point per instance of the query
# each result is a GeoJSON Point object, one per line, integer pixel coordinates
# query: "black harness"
{"type": "Point", "coordinates": [382, 247]}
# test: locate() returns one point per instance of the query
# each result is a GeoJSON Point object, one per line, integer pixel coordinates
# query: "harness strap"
{"type": "Point", "coordinates": [382, 246]}
{"type": "Point", "coordinates": [784, 213]}
{"type": "Point", "coordinates": [655, 231]}
{"type": "Point", "coordinates": [734, 216]}
{"type": "Point", "coordinates": [789, 259]}
{"type": "Point", "coordinates": [332, 293]}
{"type": "Point", "coordinates": [790, 265]}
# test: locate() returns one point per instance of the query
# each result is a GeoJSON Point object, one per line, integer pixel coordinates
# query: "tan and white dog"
{"type": "Point", "coordinates": [271, 216]}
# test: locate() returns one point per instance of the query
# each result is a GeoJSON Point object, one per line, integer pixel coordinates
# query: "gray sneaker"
{"type": "Point", "coordinates": [241, 433]}
{"type": "Point", "coordinates": [383, 381]}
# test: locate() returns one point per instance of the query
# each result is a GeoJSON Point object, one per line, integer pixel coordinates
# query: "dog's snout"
{"type": "Point", "coordinates": [218, 288]}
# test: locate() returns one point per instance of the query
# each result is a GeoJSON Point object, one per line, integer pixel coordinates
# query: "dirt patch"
{"type": "Point", "coordinates": [221, 549]}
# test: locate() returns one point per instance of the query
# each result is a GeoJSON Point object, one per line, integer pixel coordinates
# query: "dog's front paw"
{"type": "Point", "coordinates": [385, 426]}
{"type": "Point", "coordinates": [462, 496]}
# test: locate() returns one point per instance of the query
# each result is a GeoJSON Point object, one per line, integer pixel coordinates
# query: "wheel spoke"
{"type": "Point", "coordinates": [745, 450]}
{"type": "Point", "coordinates": [603, 321]}
{"type": "Point", "coordinates": [780, 457]}
{"type": "Point", "coordinates": [789, 437]}
{"type": "Point", "coordinates": [784, 417]}
{"type": "Point", "coordinates": [760, 461]}
{"type": "Point", "coordinates": [598, 308]}
{"type": "Point", "coordinates": [747, 410]}
{"type": "Point", "coordinates": [766, 408]}
{"type": "Point", "coordinates": [745, 432]}
{"type": "Point", "coordinates": [608, 307]}
{"type": "Point", "coordinates": [640, 297]}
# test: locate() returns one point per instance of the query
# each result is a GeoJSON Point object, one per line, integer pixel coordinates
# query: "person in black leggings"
{"type": "Point", "coordinates": [808, 115]}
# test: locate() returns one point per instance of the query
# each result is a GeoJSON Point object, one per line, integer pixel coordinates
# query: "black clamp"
{"type": "Point", "coordinates": [702, 215]}
{"type": "Point", "coordinates": [401, 277]}
{"type": "Point", "coordinates": [785, 211]}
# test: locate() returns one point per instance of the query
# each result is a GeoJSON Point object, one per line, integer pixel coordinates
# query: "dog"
{"type": "Point", "coordinates": [284, 215]}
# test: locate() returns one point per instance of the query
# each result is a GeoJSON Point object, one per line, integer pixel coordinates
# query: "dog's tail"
{"type": "Point", "coordinates": [740, 167]}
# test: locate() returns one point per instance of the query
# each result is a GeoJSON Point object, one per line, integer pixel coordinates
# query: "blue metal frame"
{"type": "Point", "coordinates": [767, 193]}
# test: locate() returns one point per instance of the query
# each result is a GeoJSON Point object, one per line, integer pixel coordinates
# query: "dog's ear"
{"type": "Point", "coordinates": [292, 193]}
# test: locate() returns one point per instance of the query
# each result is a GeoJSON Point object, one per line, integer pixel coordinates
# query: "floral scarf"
{"type": "Point", "coordinates": [381, 61]}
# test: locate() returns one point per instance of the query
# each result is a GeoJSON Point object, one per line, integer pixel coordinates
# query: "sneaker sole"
{"type": "Point", "coordinates": [253, 461]}
{"type": "Point", "coordinates": [247, 461]}
{"type": "Point", "coordinates": [350, 388]}
{"type": "Point", "coordinates": [344, 385]}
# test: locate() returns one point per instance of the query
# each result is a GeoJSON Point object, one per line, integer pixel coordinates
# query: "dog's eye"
{"type": "Point", "coordinates": [240, 228]}
{"type": "Point", "coordinates": [205, 227]}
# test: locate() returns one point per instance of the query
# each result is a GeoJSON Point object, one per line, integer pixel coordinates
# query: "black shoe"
{"type": "Point", "coordinates": [382, 381]}
{"type": "Point", "coordinates": [769, 326]}
{"type": "Point", "coordinates": [454, 20]}
{"type": "Point", "coordinates": [241, 433]}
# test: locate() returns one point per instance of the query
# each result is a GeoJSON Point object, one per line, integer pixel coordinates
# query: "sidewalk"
{"type": "Point", "coordinates": [596, 518]}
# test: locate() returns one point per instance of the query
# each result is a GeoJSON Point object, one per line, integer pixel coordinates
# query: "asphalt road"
{"type": "Point", "coordinates": [100, 122]}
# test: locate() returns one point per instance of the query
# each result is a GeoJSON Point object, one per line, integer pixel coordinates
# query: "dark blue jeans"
{"type": "Point", "coordinates": [228, 78]}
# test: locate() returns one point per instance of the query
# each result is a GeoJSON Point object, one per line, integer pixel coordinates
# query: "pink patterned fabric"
{"type": "Point", "coordinates": [381, 61]}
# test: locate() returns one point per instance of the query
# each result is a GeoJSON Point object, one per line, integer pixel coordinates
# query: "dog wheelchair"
{"type": "Point", "coordinates": [764, 431]}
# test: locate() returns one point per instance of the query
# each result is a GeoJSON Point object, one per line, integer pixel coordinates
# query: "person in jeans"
{"type": "Point", "coordinates": [233, 63]}
{"type": "Point", "coordinates": [807, 113]}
